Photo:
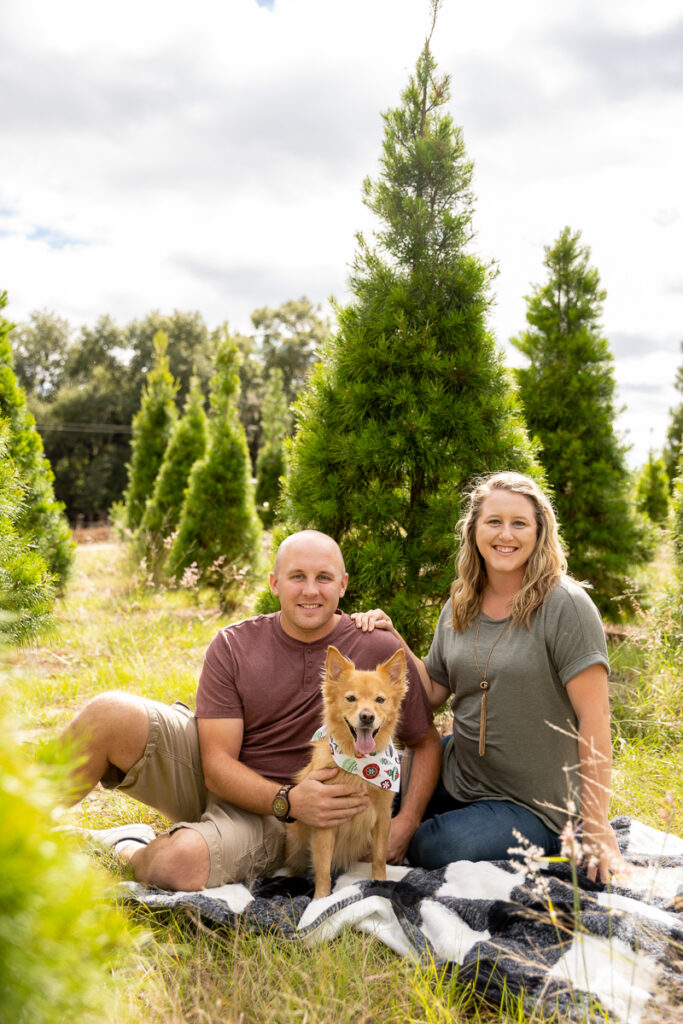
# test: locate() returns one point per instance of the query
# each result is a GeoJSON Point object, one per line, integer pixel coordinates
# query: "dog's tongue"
{"type": "Point", "coordinates": [365, 742]}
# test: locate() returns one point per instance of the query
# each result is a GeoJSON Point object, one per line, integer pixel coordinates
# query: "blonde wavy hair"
{"type": "Point", "coordinates": [544, 569]}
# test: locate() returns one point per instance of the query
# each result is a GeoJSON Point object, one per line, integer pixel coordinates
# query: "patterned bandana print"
{"type": "Point", "coordinates": [381, 769]}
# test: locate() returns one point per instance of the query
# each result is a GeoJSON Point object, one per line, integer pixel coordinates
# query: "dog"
{"type": "Point", "coordinates": [360, 715]}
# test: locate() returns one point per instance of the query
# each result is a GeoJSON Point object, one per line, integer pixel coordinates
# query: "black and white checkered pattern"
{"type": "Point", "coordinates": [582, 950]}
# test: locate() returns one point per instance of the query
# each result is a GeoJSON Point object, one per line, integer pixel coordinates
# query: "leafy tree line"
{"type": "Point", "coordinates": [84, 387]}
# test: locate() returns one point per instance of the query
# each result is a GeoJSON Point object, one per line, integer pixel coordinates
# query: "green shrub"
{"type": "Point", "coordinates": [59, 938]}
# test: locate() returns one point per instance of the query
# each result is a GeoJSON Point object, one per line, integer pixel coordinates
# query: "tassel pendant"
{"type": "Point", "coordinates": [482, 719]}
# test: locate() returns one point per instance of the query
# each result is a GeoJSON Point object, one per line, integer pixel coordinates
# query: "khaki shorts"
{"type": "Point", "coordinates": [169, 778]}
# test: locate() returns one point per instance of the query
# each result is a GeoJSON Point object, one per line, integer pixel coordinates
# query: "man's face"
{"type": "Point", "coordinates": [309, 579]}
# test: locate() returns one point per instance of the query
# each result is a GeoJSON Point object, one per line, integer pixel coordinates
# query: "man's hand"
{"type": "Point", "coordinates": [374, 619]}
{"type": "Point", "coordinates": [326, 806]}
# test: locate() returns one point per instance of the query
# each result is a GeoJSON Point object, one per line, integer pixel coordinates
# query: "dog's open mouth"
{"type": "Point", "coordinates": [364, 739]}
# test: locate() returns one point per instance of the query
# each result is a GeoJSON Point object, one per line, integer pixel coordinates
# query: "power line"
{"type": "Point", "coordinates": [87, 428]}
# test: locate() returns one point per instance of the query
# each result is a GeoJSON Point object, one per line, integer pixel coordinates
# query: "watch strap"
{"type": "Point", "coordinates": [281, 803]}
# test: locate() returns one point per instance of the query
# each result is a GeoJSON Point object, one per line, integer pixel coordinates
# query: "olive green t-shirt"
{"type": "Point", "coordinates": [526, 760]}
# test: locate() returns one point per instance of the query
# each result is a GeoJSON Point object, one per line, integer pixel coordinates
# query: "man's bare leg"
{"type": "Point", "coordinates": [111, 729]}
{"type": "Point", "coordinates": [179, 861]}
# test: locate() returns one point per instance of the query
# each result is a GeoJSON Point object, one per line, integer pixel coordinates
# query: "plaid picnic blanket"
{"type": "Point", "coordinates": [590, 952]}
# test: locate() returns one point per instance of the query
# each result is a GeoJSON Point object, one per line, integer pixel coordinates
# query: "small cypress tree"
{"type": "Point", "coordinates": [186, 444]}
{"type": "Point", "coordinates": [652, 490]}
{"type": "Point", "coordinates": [26, 591]}
{"type": "Point", "coordinates": [152, 425]}
{"type": "Point", "coordinates": [40, 516]}
{"type": "Point", "coordinates": [677, 521]}
{"type": "Point", "coordinates": [219, 529]}
{"type": "Point", "coordinates": [568, 393]}
{"type": "Point", "coordinates": [411, 400]}
{"type": "Point", "coordinates": [270, 462]}
{"type": "Point", "coordinates": [674, 434]}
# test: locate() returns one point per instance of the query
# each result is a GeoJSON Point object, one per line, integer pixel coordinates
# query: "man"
{"type": "Point", "coordinates": [223, 774]}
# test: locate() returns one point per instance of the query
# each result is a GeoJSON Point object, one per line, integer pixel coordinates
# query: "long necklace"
{"type": "Point", "coordinates": [484, 684]}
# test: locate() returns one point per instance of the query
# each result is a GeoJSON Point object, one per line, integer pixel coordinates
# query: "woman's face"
{"type": "Point", "coordinates": [506, 531]}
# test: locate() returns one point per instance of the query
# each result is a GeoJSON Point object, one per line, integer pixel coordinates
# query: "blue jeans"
{"type": "Point", "coordinates": [452, 830]}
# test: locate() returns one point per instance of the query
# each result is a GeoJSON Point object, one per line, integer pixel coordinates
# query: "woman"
{"type": "Point", "coordinates": [521, 650]}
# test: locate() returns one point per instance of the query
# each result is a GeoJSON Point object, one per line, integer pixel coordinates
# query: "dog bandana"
{"type": "Point", "coordinates": [381, 769]}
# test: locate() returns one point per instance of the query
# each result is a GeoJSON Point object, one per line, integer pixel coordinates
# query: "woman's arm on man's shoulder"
{"type": "Point", "coordinates": [376, 618]}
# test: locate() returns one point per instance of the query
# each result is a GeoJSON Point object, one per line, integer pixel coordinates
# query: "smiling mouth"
{"type": "Point", "coordinates": [504, 551]}
{"type": "Point", "coordinates": [363, 739]}
{"type": "Point", "coordinates": [354, 732]}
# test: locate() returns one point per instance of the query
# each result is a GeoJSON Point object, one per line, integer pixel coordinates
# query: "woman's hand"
{"type": "Point", "coordinates": [374, 619]}
{"type": "Point", "coordinates": [603, 858]}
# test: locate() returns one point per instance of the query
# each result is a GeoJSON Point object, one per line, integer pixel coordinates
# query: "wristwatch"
{"type": "Point", "coordinates": [281, 803]}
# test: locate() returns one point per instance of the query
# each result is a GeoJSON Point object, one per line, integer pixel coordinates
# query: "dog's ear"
{"type": "Point", "coordinates": [395, 668]}
{"type": "Point", "coordinates": [335, 662]}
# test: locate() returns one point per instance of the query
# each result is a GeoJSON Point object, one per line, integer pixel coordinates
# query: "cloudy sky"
{"type": "Point", "coordinates": [209, 156]}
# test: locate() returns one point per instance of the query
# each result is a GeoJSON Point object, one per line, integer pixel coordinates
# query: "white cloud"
{"type": "Point", "coordinates": [210, 157]}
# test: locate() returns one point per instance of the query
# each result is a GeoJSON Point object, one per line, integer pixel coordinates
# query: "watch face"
{"type": "Point", "coordinates": [280, 806]}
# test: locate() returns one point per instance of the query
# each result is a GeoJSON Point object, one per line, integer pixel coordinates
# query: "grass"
{"type": "Point", "coordinates": [112, 634]}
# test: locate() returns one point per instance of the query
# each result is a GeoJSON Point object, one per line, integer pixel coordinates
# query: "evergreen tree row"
{"type": "Point", "coordinates": [190, 501]}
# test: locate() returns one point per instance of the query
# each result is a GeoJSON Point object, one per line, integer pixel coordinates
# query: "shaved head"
{"type": "Point", "coordinates": [309, 541]}
{"type": "Point", "coordinates": [309, 578]}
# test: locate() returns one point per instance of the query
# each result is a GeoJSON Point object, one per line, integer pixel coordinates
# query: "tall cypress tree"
{"type": "Point", "coordinates": [40, 516]}
{"type": "Point", "coordinates": [152, 425]}
{"type": "Point", "coordinates": [219, 529]}
{"type": "Point", "coordinates": [270, 462]}
{"type": "Point", "coordinates": [568, 391]}
{"type": "Point", "coordinates": [411, 400]}
{"type": "Point", "coordinates": [186, 444]}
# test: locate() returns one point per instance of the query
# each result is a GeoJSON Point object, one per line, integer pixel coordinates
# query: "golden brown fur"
{"type": "Point", "coordinates": [364, 701]}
